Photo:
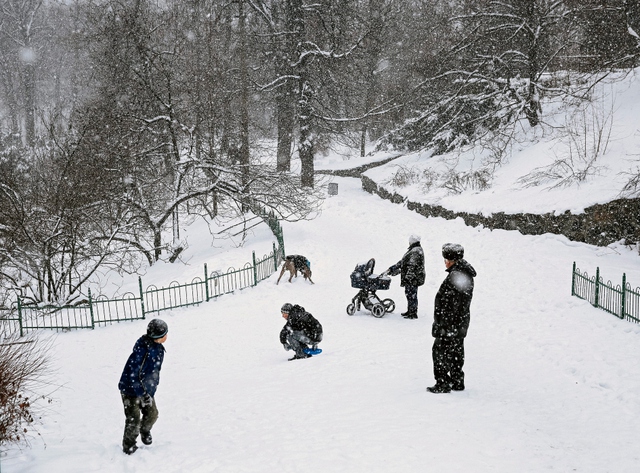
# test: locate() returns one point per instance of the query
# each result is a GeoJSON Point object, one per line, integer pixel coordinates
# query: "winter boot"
{"type": "Point", "coordinates": [146, 438]}
{"type": "Point", "coordinates": [439, 388]}
{"type": "Point", "coordinates": [302, 356]}
{"type": "Point", "coordinates": [410, 315]}
{"type": "Point", "coordinates": [129, 449]}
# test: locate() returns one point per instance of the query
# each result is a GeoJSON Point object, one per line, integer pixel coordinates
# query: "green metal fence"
{"type": "Point", "coordinates": [620, 300]}
{"type": "Point", "coordinates": [102, 310]}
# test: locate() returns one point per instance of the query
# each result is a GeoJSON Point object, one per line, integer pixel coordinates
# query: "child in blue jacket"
{"type": "Point", "coordinates": [138, 385]}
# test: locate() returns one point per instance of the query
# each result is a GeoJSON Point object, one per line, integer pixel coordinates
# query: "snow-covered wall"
{"type": "Point", "coordinates": [600, 224]}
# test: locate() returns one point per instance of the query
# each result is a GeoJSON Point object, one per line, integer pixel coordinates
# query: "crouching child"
{"type": "Point", "coordinates": [302, 331]}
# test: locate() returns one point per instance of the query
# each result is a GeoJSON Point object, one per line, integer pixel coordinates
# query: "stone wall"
{"type": "Point", "coordinates": [600, 224]}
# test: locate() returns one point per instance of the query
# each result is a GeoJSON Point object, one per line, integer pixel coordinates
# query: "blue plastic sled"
{"type": "Point", "coordinates": [311, 351]}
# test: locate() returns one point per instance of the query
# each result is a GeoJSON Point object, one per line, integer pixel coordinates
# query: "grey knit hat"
{"type": "Point", "coordinates": [286, 308]}
{"type": "Point", "coordinates": [157, 328]}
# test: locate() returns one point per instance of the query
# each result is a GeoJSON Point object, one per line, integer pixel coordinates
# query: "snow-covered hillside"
{"type": "Point", "coordinates": [593, 147]}
{"type": "Point", "coordinates": [552, 382]}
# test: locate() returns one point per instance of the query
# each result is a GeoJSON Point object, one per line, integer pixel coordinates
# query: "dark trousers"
{"type": "Point", "coordinates": [138, 419]}
{"type": "Point", "coordinates": [412, 299]}
{"type": "Point", "coordinates": [298, 341]}
{"type": "Point", "coordinates": [448, 360]}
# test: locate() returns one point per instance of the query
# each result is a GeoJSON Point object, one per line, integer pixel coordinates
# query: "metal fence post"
{"type": "Point", "coordinates": [206, 283]}
{"type": "Point", "coordinates": [597, 292]}
{"type": "Point", "coordinates": [93, 324]}
{"type": "Point", "coordinates": [275, 257]}
{"type": "Point", "coordinates": [20, 316]}
{"type": "Point", "coordinates": [622, 301]}
{"type": "Point", "coordinates": [141, 296]}
{"type": "Point", "coordinates": [573, 280]}
{"type": "Point", "coordinates": [255, 269]}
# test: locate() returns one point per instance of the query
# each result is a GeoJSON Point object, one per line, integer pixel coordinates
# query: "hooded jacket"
{"type": "Point", "coordinates": [141, 374]}
{"type": "Point", "coordinates": [410, 267]}
{"type": "Point", "coordinates": [301, 320]}
{"type": "Point", "coordinates": [451, 314]}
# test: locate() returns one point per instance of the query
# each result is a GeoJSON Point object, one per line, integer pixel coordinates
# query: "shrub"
{"type": "Point", "coordinates": [403, 177]}
{"type": "Point", "coordinates": [23, 370]}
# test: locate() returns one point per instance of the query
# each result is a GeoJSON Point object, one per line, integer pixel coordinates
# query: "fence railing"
{"type": "Point", "coordinates": [620, 300]}
{"type": "Point", "coordinates": [153, 299]}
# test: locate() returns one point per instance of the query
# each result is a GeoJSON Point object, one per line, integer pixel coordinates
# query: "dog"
{"type": "Point", "coordinates": [295, 263]}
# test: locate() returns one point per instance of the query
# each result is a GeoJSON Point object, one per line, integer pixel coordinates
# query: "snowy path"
{"type": "Point", "coordinates": [553, 384]}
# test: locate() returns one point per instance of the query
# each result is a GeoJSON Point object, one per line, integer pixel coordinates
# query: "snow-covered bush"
{"type": "Point", "coordinates": [458, 182]}
{"type": "Point", "coordinates": [581, 146]}
{"type": "Point", "coordinates": [403, 176]}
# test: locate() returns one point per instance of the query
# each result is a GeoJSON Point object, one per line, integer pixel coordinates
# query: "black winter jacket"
{"type": "Point", "coordinates": [301, 320]}
{"type": "Point", "coordinates": [410, 267]}
{"type": "Point", "coordinates": [451, 314]}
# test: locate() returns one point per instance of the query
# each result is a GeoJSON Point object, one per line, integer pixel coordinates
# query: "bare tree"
{"type": "Point", "coordinates": [58, 224]}
{"type": "Point", "coordinates": [20, 20]}
{"type": "Point", "coordinates": [611, 34]}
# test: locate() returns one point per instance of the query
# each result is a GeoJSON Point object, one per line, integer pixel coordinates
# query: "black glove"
{"type": "Point", "coordinates": [146, 401]}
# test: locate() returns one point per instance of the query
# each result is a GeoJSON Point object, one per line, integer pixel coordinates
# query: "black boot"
{"type": "Point", "coordinates": [146, 438]}
{"type": "Point", "coordinates": [439, 388]}
{"type": "Point", "coordinates": [410, 315]}
{"type": "Point", "coordinates": [129, 449]}
{"type": "Point", "coordinates": [300, 357]}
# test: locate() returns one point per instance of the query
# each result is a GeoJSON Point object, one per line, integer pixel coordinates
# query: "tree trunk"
{"type": "Point", "coordinates": [305, 120]}
{"type": "Point", "coordinates": [29, 104]}
{"type": "Point", "coordinates": [305, 147]}
{"type": "Point", "coordinates": [532, 105]}
{"type": "Point", "coordinates": [284, 116]}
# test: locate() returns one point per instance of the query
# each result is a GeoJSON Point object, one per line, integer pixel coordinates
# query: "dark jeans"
{"type": "Point", "coordinates": [448, 360]}
{"type": "Point", "coordinates": [138, 418]}
{"type": "Point", "coordinates": [412, 299]}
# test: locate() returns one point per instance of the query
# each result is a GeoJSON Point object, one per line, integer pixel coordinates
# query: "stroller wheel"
{"type": "Point", "coordinates": [378, 310]}
{"type": "Point", "coordinates": [389, 305]}
{"type": "Point", "coordinates": [351, 309]}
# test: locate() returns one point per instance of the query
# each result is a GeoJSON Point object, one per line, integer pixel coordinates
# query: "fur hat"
{"type": "Point", "coordinates": [452, 251]}
{"type": "Point", "coordinates": [286, 308]}
{"type": "Point", "coordinates": [414, 239]}
{"type": "Point", "coordinates": [157, 328]}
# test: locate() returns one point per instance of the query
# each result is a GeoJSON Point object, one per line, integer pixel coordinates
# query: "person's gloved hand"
{"type": "Point", "coordinates": [146, 401]}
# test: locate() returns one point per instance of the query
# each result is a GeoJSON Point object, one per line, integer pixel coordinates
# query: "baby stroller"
{"type": "Point", "coordinates": [363, 278]}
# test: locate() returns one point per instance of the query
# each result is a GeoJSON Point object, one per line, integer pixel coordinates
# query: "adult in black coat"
{"type": "Point", "coordinates": [451, 316]}
{"type": "Point", "coordinates": [412, 275]}
{"type": "Point", "coordinates": [301, 331]}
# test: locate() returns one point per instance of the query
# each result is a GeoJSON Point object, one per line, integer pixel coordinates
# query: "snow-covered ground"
{"type": "Point", "coordinates": [552, 383]}
{"type": "Point", "coordinates": [607, 128]}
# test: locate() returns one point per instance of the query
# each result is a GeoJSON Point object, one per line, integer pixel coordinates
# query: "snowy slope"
{"type": "Point", "coordinates": [609, 122]}
{"type": "Point", "coordinates": [552, 383]}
